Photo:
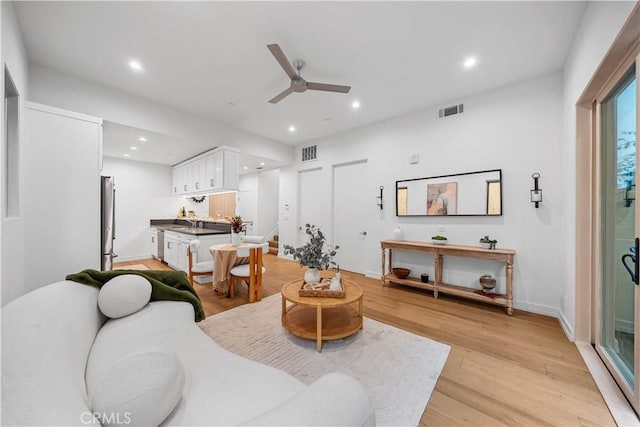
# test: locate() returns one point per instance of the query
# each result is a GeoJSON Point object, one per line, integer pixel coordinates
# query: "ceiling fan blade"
{"type": "Point", "coordinates": [282, 59]}
{"type": "Point", "coordinates": [282, 95]}
{"type": "Point", "coordinates": [328, 88]}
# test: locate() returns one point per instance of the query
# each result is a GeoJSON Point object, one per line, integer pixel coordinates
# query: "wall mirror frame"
{"type": "Point", "coordinates": [476, 193]}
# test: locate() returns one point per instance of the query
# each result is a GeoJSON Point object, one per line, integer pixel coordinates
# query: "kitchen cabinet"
{"type": "Point", "coordinates": [209, 172]}
{"type": "Point", "coordinates": [175, 250]}
{"type": "Point", "coordinates": [176, 245]}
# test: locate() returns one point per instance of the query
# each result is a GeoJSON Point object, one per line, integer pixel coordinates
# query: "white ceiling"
{"type": "Point", "coordinates": [164, 149]}
{"type": "Point", "coordinates": [205, 56]}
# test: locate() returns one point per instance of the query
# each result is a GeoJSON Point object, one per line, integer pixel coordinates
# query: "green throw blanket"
{"type": "Point", "coordinates": [165, 285]}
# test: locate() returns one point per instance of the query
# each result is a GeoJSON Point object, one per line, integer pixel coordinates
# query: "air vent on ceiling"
{"type": "Point", "coordinates": [309, 153]}
{"type": "Point", "coordinates": [451, 111]}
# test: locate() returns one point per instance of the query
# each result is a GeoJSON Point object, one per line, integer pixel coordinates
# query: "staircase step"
{"type": "Point", "coordinates": [273, 250]}
{"type": "Point", "coordinates": [276, 237]}
{"type": "Point", "coordinates": [273, 243]}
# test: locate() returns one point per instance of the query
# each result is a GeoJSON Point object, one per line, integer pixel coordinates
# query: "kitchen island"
{"type": "Point", "coordinates": [170, 240]}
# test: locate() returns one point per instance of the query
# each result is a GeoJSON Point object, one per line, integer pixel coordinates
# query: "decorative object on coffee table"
{"type": "Point", "coordinates": [312, 254]}
{"type": "Point", "coordinates": [488, 283]}
{"type": "Point", "coordinates": [439, 240]}
{"type": "Point", "coordinates": [488, 243]}
{"type": "Point", "coordinates": [401, 273]}
{"type": "Point", "coordinates": [424, 278]}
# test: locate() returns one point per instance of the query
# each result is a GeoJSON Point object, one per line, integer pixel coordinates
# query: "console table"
{"type": "Point", "coordinates": [437, 285]}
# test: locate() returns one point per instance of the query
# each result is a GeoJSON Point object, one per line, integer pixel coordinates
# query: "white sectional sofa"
{"type": "Point", "coordinates": [56, 345]}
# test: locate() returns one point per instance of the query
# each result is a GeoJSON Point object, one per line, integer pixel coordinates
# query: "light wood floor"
{"type": "Point", "coordinates": [502, 370]}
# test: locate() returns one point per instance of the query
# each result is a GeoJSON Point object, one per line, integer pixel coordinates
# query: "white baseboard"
{"type": "Point", "coordinates": [566, 326]}
{"type": "Point", "coordinates": [372, 274]}
{"type": "Point", "coordinates": [545, 310]}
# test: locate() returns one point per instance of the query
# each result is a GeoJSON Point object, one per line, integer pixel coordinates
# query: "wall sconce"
{"type": "Point", "coordinates": [379, 198]}
{"type": "Point", "coordinates": [536, 193]}
{"type": "Point", "coordinates": [629, 194]}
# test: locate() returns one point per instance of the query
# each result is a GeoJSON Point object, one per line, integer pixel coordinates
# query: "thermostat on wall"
{"type": "Point", "coordinates": [414, 158]}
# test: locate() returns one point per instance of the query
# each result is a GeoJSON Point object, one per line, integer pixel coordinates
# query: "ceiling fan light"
{"type": "Point", "coordinates": [355, 105]}
{"type": "Point", "coordinates": [292, 128]}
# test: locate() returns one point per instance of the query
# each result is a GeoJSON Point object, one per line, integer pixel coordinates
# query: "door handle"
{"type": "Point", "coordinates": [635, 273]}
{"type": "Point", "coordinates": [363, 233]}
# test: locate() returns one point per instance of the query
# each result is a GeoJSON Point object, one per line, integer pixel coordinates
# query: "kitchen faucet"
{"type": "Point", "coordinates": [193, 222]}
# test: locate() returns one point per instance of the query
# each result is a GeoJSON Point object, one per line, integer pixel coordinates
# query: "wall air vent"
{"type": "Point", "coordinates": [309, 153]}
{"type": "Point", "coordinates": [451, 111]}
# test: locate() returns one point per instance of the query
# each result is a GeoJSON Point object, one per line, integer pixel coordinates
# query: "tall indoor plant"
{"type": "Point", "coordinates": [312, 254]}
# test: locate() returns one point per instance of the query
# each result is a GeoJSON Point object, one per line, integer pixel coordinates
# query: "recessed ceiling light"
{"type": "Point", "coordinates": [355, 105]}
{"type": "Point", "coordinates": [261, 163]}
{"type": "Point", "coordinates": [245, 167]}
{"type": "Point", "coordinates": [143, 139]}
{"type": "Point", "coordinates": [292, 128]}
{"type": "Point", "coordinates": [133, 148]}
{"type": "Point", "coordinates": [470, 62]}
{"type": "Point", "coordinates": [135, 65]}
{"type": "Point", "coordinates": [126, 155]}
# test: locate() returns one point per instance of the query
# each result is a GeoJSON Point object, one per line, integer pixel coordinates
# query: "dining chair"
{"type": "Point", "coordinates": [250, 273]}
{"type": "Point", "coordinates": [204, 268]}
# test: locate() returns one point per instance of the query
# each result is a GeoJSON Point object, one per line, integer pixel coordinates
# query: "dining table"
{"type": "Point", "coordinates": [225, 257]}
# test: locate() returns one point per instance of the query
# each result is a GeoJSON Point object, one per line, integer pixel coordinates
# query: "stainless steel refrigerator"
{"type": "Point", "coordinates": [107, 221]}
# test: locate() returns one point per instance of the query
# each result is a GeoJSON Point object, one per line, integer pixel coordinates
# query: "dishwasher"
{"type": "Point", "coordinates": [157, 244]}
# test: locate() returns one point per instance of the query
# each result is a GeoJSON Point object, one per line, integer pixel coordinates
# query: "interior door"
{"type": "Point", "coordinates": [618, 307]}
{"type": "Point", "coordinates": [350, 232]}
{"type": "Point", "coordinates": [310, 207]}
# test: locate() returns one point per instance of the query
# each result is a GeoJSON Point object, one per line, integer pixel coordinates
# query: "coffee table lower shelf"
{"type": "Point", "coordinates": [335, 322]}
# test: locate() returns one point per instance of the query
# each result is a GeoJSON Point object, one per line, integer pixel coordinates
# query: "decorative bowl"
{"type": "Point", "coordinates": [401, 273]}
{"type": "Point", "coordinates": [438, 242]}
{"type": "Point", "coordinates": [487, 282]}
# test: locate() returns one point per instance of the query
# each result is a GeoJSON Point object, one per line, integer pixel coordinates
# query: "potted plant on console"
{"type": "Point", "coordinates": [488, 243]}
{"type": "Point", "coordinates": [439, 240]}
{"type": "Point", "coordinates": [312, 254]}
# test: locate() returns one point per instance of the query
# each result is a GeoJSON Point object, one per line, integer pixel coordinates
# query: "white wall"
{"type": "Point", "coordinates": [517, 129]}
{"type": "Point", "coordinates": [12, 229]}
{"type": "Point", "coordinates": [600, 25]}
{"type": "Point", "coordinates": [142, 193]}
{"type": "Point", "coordinates": [63, 90]}
{"type": "Point", "coordinates": [258, 200]}
{"type": "Point", "coordinates": [268, 195]}
{"type": "Point", "coordinates": [247, 200]}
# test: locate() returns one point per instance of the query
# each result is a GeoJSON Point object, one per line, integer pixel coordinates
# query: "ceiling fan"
{"type": "Point", "coordinates": [298, 84]}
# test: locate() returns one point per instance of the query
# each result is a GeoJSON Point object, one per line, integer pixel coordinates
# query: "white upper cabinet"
{"type": "Point", "coordinates": [209, 172]}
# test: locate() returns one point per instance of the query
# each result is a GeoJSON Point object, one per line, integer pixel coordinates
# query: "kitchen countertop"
{"type": "Point", "coordinates": [183, 226]}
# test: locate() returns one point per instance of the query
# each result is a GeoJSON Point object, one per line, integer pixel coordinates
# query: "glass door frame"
{"type": "Point", "coordinates": [631, 393]}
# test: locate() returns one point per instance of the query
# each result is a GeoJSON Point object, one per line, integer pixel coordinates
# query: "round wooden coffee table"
{"type": "Point", "coordinates": [321, 318]}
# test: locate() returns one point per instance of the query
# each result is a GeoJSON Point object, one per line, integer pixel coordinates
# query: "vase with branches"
{"type": "Point", "coordinates": [312, 254]}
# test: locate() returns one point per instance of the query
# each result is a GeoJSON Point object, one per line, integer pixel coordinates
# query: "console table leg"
{"type": "Point", "coordinates": [384, 282]}
{"type": "Point", "coordinates": [437, 262]}
{"type": "Point", "coordinates": [509, 285]}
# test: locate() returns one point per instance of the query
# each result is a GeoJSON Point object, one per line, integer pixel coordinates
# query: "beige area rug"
{"type": "Point", "coordinates": [399, 369]}
{"type": "Point", "coordinates": [132, 267]}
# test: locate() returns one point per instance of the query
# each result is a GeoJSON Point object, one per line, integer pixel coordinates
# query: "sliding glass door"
{"type": "Point", "coordinates": [617, 328]}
